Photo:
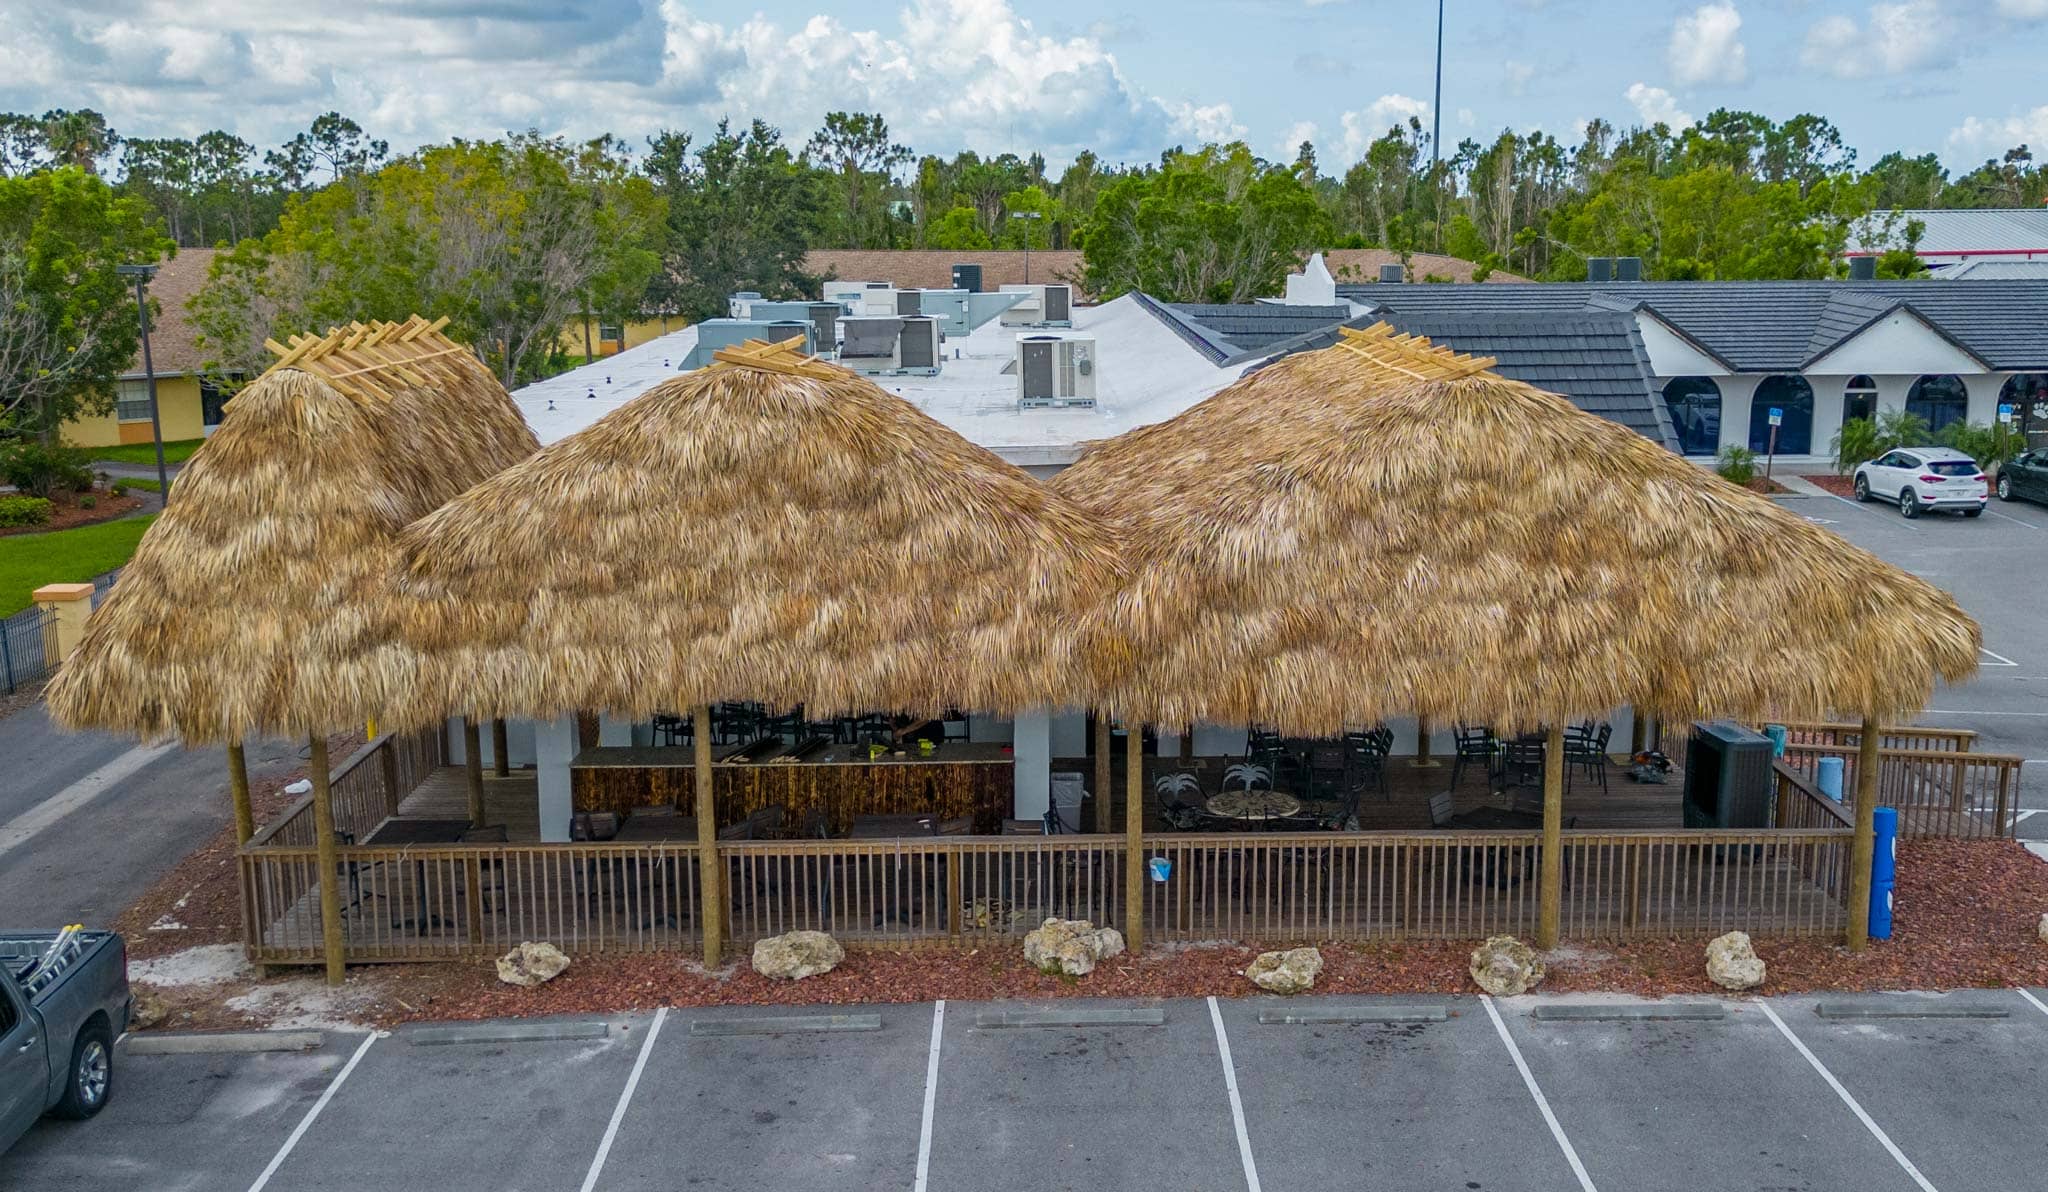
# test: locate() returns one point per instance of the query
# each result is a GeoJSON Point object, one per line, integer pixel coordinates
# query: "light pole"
{"type": "Point", "coordinates": [142, 274]}
{"type": "Point", "coordinates": [1027, 239]}
{"type": "Point", "coordinates": [1436, 108]}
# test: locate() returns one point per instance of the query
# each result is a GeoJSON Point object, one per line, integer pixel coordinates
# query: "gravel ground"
{"type": "Point", "coordinates": [1967, 917]}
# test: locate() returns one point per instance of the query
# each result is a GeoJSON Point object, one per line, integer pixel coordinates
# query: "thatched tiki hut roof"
{"type": "Point", "coordinates": [767, 528]}
{"type": "Point", "coordinates": [1386, 529]}
{"type": "Point", "coordinates": [247, 608]}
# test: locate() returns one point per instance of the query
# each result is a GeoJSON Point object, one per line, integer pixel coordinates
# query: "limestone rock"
{"type": "Point", "coordinates": [1292, 971]}
{"type": "Point", "coordinates": [1070, 946]}
{"type": "Point", "coordinates": [797, 955]}
{"type": "Point", "coordinates": [1733, 964]}
{"type": "Point", "coordinates": [2043, 929]}
{"type": "Point", "coordinates": [148, 1009]}
{"type": "Point", "coordinates": [531, 964]}
{"type": "Point", "coordinates": [1505, 966]}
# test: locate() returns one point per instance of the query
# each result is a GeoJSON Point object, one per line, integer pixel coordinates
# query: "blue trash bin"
{"type": "Point", "coordinates": [1827, 775]}
{"type": "Point", "coordinates": [1884, 872]}
{"type": "Point", "coordinates": [1777, 734]}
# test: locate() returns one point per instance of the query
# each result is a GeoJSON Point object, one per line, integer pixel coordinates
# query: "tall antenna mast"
{"type": "Point", "coordinates": [1436, 109]}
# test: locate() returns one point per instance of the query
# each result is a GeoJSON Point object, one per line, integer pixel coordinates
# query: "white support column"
{"type": "Point", "coordinates": [554, 744]}
{"type": "Point", "coordinates": [1736, 392]}
{"type": "Point", "coordinates": [1984, 389]}
{"type": "Point", "coordinates": [1032, 747]}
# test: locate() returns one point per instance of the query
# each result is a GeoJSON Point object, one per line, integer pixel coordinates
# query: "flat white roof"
{"type": "Point", "coordinates": [1145, 373]}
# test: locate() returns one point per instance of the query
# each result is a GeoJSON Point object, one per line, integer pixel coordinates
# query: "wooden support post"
{"type": "Point", "coordinates": [710, 873]}
{"type": "Point", "coordinates": [1134, 835]}
{"type": "Point", "coordinates": [1636, 736]}
{"type": "Point", "coordinates": [1553, 838]}
{"type": "Point", "coordinates": [1422, 760]}
{"type": "Point", "coordinates": [387, 761]}
{"type": "Point", "coordinates": [473, 768]}
{"type": "Point", "coordinates": [238, 790]}
{"type": "Point", "coordinates": [1104, 742]}
{"type": "Point", "coordinates": [1864, 846]}
{"type": "Point", "coordinates": [323, 846]}
{"type": "Point", "coordinates": [500, 765]}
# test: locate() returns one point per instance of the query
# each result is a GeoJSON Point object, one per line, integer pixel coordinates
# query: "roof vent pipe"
{"type": "Point", "coordinates": [1599, 268]}
{"type": "Point", "coordinates": [1393, 273]}
{"type": "Point", "coordinates": [1628, 268]}
{"type": "Point", "coordinates": [1862, 268]}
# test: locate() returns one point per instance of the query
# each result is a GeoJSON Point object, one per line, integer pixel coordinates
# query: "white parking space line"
{"type": "Point", "coordinates": [2037, 1003]}
{"type": "Point", "coordinates": [931, 1097]}
{"type": "Point", "coordinates": [1997, 659]}
{"type": "Point", "coordinates": [1967, 712]}
{"type": "Point", "coordinates": [306, 1123]}
{"type": "Point", "coordinates": [2013, 520]}
{"type": "Point", "coordinates": [611, 1131]}
{"type": "Point", "coordinates": [1847, 1099]}
{"type": "Point", "coordinates": [51, 811]}
{"type": "Point", "coordinates": [1542, 1103]}
{"type": "Point", "coordinates": [1244, 1138]}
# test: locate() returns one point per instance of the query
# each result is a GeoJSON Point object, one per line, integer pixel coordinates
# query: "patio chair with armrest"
{"type": "Point", "coordinates": [1440, 810]}
{"type": "Point", "coordinates": [490, 871]}
{"type": "Point", "coordinates": [1475, 743]}
{"type": "Point", "coordinates": [1589, 753]}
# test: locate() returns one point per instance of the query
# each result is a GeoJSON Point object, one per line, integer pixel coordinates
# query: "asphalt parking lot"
{"type": "Point", "coordinates": [1996, 566]}
{"type": "Point", "coordinates": [1896, 1091]}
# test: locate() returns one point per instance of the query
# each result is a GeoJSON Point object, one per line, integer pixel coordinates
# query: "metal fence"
{"type": "Point", "coordinates": [102, 584]}
{"type": "Point", "coordinates": [27, 647]}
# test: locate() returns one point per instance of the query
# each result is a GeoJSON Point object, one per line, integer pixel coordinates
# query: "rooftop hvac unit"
{"type": "Point", "coordinates": [713, 334]}
{"type": "Point", "coordinates": [824, 318]}
{"type": "Point", "coordinates": [967, 277]}
{"type": "Point", "coordinates": [1055, 371]}
{"type": "Point", "coordinates": [908, 303]}
{"type": "Point", "coordinates": [1727, 777]}
{"type": "Point", "coordinates": [1043, 306]}
{"type": "Point", "coordinates": [741, 304]}
{"type": "Point", "coordinates": [1393, 273]}
{"type": "Point", "coordinates": [869, 343]}
{"type": "Point", "coordinates": [852, 296]}
{"type": "Point", "coordinates": [917, 350]}
{"type": "Point", "coordinates": [1599, 268]}
{"type": "Point", "coordinates": [780, 330]}
{"type": "Point", "coordinates": [1862, 268]}
{"type": "Point", "coordinates": [949, 307]}
{"type": "Point", "coordinates": [765, 311]}
{"type": "Point", "coordinates": [1628, 268]}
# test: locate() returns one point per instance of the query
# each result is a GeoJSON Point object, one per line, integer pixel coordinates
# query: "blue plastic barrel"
{"type": "Point", "coordinates": [1884, 870]}
{"type": "Point", "coordinates": [1827, 775]}
{"type": "Point", "coordinates": [1777, 734]}
{"type": "Point", "coordinates": [1161, 867]}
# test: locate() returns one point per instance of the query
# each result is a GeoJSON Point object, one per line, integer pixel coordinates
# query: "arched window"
{"type": "Point", "coordinates": [1795, 397]}
{"type": "Point", "coordinates": [2027, 394]}
{"type": "Point", "coordinates": [1859, 399]}
{"type": "Point", "coordinates": [1938, 400]}
{"type": "Point", "coordinates": [1695, 405]}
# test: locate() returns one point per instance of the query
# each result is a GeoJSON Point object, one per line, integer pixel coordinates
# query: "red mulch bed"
{"type": "Point", "coordinates": [1766, 485]}
{"type": "Point", "coordinates": [1841, 486]}
{"type": "Point", "coordinates": [66, 514]}
{"type": "Point", "coordinates": [1967, 917]}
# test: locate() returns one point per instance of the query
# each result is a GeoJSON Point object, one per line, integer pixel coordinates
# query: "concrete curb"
{"type": "Point", "coordinates": [794, 1024]}
{"type": "Point", "coordinates": [511, 1032]}
{"type": "Point", "coordinates": [244, 1043]}
{"type": "Point", "coordinates": [1364, 1017]}
{"type": "Point", "coordinates": [1639, 1012]}
{"type": "Point", "coordinates": [1904, 1008]}
{"type": "Point", "coordinates": [1013, 1019]}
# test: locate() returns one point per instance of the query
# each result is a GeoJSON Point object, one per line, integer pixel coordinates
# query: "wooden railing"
{"type": "Point", "coordinates": [446, 902]}
{"type": "Point", "coordinates": [366, 789]}
{"type": "Point", "coordinates": [1893, 736]}
{"type": "Point", "coordinates": [1801, 805]}
{"type": "Point", "coordinates": [1938, 792]}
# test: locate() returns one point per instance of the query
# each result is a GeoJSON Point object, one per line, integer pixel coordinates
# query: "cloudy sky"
{"type": "Point", "coordinates": [1961, 78]}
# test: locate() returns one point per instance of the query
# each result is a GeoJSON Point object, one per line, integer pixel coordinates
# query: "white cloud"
{"type": "Point", "coordinates": [1213, 122]}
{"type": "Point", "coordinates": [1895, 38]}
{"type": "Point", "coordinates": [1290, 141]}
{"type": "Point", "coordinates": [1362, 128]}
{"type": "Point", "coordinates": [1654, 105]}
{"type": "Point", "coordinates": [1706, 45]}
{"type": "Point", "coordinates": [1517, 75]}
{"type": "Point", "coordinates": [1995, 135]}
{"type": "Point", "coordinates": [2023, 10]}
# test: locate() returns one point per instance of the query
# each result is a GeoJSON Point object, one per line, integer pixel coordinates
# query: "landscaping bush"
{"type": "Point", "coordinates": [1992, 447]}
{"type": "Point", "coordinates": [88, 501]}
{"type": "Point", "coordinates": [1737, 465]}
{"type": "Point", "coordinates": [120, 488]}
{"type": "Point", "coordinates": [1861, 440]}
{"type": "Point", "coordinates": [39, 470]}
{"type": "Point", "coordinates": [24, 511]}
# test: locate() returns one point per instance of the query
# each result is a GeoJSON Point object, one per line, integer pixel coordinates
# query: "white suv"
{"type": "Point", "coordinates": [1925, 478]}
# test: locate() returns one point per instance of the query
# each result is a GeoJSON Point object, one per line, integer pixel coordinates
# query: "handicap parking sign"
{"type": "Point", "coordinates": [1777, 416]}
{"type": "Point", "coordinates": [2005, 411]}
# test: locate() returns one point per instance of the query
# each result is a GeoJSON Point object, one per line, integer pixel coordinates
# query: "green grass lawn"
{"type": "Point", "coordinates": [28, 561]}
{"type": "Point", "coordinates": [175, 452]}
{"type": "Point", "coordinates": [148, 483]}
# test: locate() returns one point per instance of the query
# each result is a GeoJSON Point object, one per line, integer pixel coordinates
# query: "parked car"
{"type": "Point", "coordinates": [2025, 478]}
{"type": "Point", "coordinates": [63, 1001]}
{"type": "Point", "coordinates": [1922, 478]}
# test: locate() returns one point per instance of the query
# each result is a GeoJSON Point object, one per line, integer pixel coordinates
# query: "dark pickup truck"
{"type": "Point", "coordinates": [63, 1001]}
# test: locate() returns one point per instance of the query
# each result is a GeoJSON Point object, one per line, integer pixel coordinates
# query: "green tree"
{"type": "Point", "coordinates": [78, 138]}
{"type": "Point", "coordinates": [957, 230]}
{"type": "Point", "coordinates": [742, 215]}
{"type": "Point", "coordinates": [1216, 225]}
{"type": "Point", "coordinates": [335, 145]}
{"type": "Point", "coordinates": [854, 147]}
{"type": "Point", "coordinates": [67, 320]}
{"type": "Point", "coordinates": [1028, 218]}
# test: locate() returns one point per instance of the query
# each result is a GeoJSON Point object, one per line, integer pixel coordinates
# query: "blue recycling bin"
{"type": "Point", "coordinates": [1884, 872]}
{"type": "Point", "coordinates": [1778, 735]}
{"type": "Point", "coordinates": [1827, 775]}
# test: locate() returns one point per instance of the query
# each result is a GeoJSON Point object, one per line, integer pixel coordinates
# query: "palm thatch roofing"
{"type": "Point", "coordinates": [248, 607]}
{"type": "Point", "coordinates": [769, 527]}
{"type": "Point", "coordinates": [1383, 528]}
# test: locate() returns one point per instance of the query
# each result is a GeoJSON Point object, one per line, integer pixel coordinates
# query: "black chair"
{"type": "Point", "coordinates": [674, 730]}
{"type": "Point", "coordinates": [1589, 753]}
{"type": "Point", "coordinates": [1475, 743]}
{"type": "Point", "coordinates": [1522, 761]}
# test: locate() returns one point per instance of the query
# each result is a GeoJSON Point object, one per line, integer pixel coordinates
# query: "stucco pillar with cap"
{"type": "Point", "coordinates": [69, 604]}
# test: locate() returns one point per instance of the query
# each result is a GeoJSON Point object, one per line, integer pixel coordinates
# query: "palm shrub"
{"type": "Point", "coordinates": [1991, 446]}
{"type": "Point", "coordinates": [1857, 443]}
{"type": "Point", "coordinates": [1737, 465]}
{"type": "Point", "coordinates": [24, 511]}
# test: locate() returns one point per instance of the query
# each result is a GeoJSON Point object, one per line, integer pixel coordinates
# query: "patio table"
{"type": "Point", "coordinates": [404, 832]}
{"type": "Point", "coordinates": [1254, 806]}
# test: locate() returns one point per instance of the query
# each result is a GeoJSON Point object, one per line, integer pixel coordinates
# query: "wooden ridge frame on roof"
{"type": "Point", "coordinates": [360, 359]}
{"type": "Point", "coordinates": [785, 357]}
{"type": "Point", "coordinates": [1410, 355]}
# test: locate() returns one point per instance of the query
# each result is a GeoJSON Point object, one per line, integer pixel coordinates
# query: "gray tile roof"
{"type": "Point", "coordinates": [1234, 330]}
{"type": "Point", "coordinates": [1595, 358]}
{"type": "Point", "coordinates": [1961, 231]}
{"type": "Point", "coordinates": [1996, 269]}
{"type": "Point", "coordinates": [1767, 326]}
